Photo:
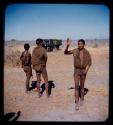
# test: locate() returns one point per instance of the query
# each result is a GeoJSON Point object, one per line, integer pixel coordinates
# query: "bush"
{"type": "Point", "coordinates": [12, 58]}
{"type": "Point", "coordinates": [95, 45]}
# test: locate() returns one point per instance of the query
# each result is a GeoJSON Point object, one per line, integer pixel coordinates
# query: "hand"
{"type": "Point", "coordinates": [69, 42]}
{"type": "Point", "coordinates": [85, 72]}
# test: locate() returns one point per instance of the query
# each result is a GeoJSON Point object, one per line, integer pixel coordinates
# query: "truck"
{"type": "Point", "coordinates": [51, 44]}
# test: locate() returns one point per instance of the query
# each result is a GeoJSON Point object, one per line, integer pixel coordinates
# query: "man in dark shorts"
{"type": "Point", "coordinates": [82, 63]}
{"type": "Point", "coordinates": [39, 60]}
{"type": "Point", "coordinates": [26, 64]}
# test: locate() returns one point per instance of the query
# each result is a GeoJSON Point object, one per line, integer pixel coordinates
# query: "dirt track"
{"type": "Point", "coordinates": [60, 106]}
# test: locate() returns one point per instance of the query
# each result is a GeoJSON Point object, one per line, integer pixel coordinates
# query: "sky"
{"type": "Point", "coordinates": [59, 21]}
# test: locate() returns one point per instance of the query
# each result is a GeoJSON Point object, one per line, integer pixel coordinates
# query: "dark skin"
{"type": "Point", "coordinates": [77, 78]}
{"type": "Point", "coordinates": [28, 76]}
{"type": "Point", "coordinates": [80, 47]}
{"type": "Point", "coordinates": [44, 75]}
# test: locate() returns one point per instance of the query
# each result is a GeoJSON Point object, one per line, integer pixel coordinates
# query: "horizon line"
{"type": "Point", "coordinates": [56, 38]}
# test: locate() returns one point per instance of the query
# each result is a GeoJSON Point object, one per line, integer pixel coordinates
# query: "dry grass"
{"type": "Point", "coordinates": [60, 106]}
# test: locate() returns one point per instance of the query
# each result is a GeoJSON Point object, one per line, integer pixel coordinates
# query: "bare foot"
{"type": "Point", "coordinates": [81, 102]}
{"type": "Point", "coordinates": [76, 107]}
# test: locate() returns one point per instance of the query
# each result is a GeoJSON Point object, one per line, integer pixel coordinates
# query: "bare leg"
{"type": "Point", "coordinates": [76, 80]}
{"type": "Point", "coordinates": [82, 81]}
{"type": "Point", "coordinates": [27, 83]}
{"type": "Point", "coordinates": [28, 71]}
{"type": "Point", "coordinates": [45, 77]}
{"type": "Point", "coordinates": [38, 82]}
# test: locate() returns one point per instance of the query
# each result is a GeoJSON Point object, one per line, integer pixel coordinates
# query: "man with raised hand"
{"type": "Point", "coordinates": [82, 63]}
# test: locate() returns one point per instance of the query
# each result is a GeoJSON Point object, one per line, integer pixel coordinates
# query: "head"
{"type": "Point", "coordinates": [26, 46]}
{"type": "Point", "coordinates": [39, 42]}
{"type": "Point", "coordinates": [81, 44]}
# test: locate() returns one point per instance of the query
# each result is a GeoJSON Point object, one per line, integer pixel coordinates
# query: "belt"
{"type": "Point", "coordinates": [79, 68]}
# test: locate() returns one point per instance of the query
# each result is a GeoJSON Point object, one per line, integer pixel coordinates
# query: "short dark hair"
{"type": "Point", "coordinates": [38, 41]}
{"type": "Point", "coordinates": [81, 40]}
{"type": "Point", "coordinates": [26, 46]}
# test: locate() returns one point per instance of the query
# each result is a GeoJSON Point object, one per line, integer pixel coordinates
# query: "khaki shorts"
{"type": "Point", "coordinates": [27, 70]}
{"type": "Point", "coordinates": [78, 71]}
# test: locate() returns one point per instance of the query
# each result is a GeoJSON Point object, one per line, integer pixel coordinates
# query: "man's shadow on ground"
{"type": "Point", "coordinates": [50, 86]}
{"type": "Point", "coordinates": [11, 116]}
{"type": "Point", "coordinates": [85, 90]}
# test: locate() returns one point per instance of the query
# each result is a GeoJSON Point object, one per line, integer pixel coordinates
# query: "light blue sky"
{"type": "Point", "coordinates": [31, 21]}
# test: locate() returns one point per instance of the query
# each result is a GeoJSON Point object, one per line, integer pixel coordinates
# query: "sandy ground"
{"type": "Point", "coordinates": [60, 106]}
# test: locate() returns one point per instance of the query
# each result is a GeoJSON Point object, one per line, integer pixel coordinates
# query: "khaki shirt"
{"type": "Point", "coordinates": [39, 56]}
{"type": "Point", "coordinates": [86, 58]}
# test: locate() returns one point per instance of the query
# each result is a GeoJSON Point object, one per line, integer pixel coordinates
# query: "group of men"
{"type": "Point", "coordinates": [38, 60]}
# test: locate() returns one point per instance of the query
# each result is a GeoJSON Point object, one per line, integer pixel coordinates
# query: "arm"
{"type": "Point", "coordinates": [44, 56]}
{"type": "Point", "coordinates": [66, 49]}
{"type": "Point", "coordinates": [21, 57]}
{"type": "Point", "coordinates": [28, 58]}
{"type": "Point", "coordinates": [32, 57]}
{"type": "Point", "coordinates": [88, 66]}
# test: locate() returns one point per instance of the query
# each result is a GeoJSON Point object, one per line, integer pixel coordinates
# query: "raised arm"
{"type": "Point", "coordinates": [67, 46]}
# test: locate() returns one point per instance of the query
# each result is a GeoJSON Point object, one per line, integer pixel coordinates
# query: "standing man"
{"type": "Point", "coordinates": [39, 60]}
{"type": "Point", "coordinates": [26, 64]}
{"type": "Point", "coordinates": [82, 63]}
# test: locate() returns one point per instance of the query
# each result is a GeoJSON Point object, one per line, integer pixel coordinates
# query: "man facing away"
{"type": "Point", "coordinates": [82, 63]}
{"type": "Point", "coordinates": [26, 64]}
{"type": "Point", "coordinates": [39, 60]}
